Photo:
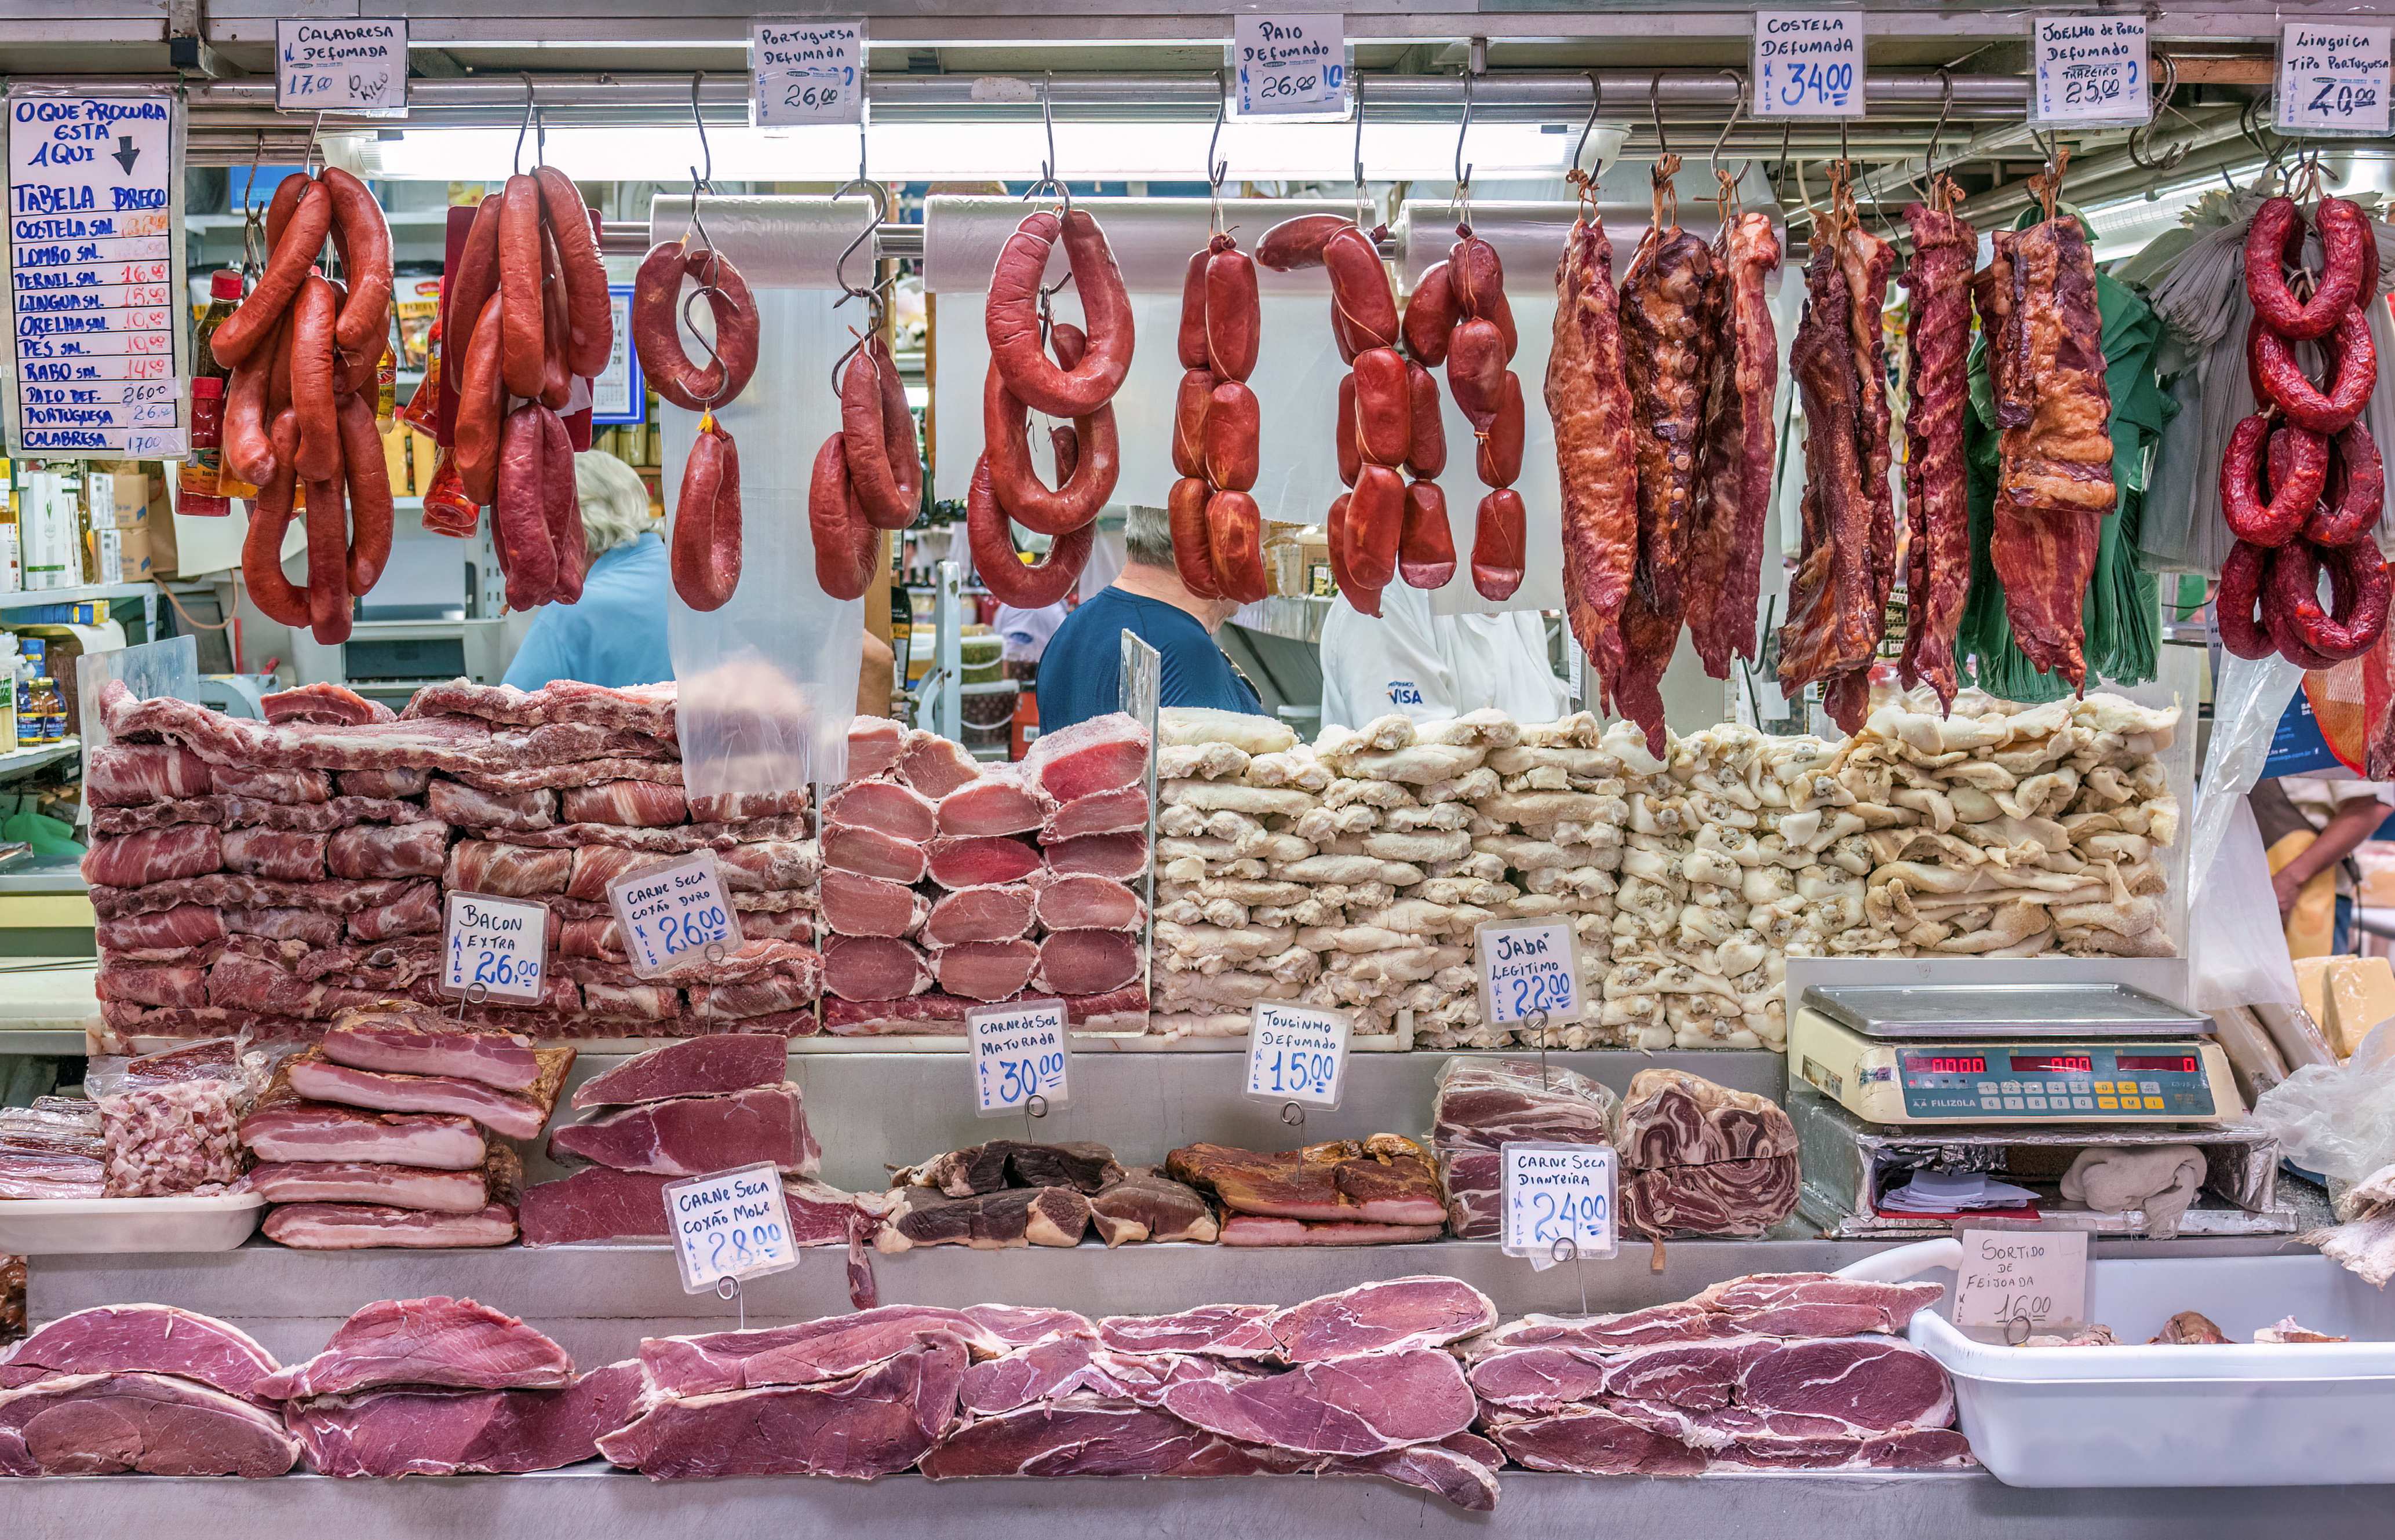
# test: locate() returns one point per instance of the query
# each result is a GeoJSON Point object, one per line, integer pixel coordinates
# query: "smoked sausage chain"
{"type": "Point", "coordinates": [707, 526]}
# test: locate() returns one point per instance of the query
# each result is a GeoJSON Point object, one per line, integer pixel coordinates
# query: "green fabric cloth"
{"type": "Point", "coordinates": [2122, 629]}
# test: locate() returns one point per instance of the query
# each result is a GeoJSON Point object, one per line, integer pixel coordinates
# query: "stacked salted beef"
{"type": "Point", "coordinates": [1009, 1194]}
{"type": "Point", "coordinates": [1485, 1104]}
{"type": "Point", "coordinates": [144, 1389]}
{"type": "Point", "coordinates": [1701, 1159]}
{"type": "Point", "coordinates": [265, 875]}
{"type": "Point", "coordinates": [1346, 1192]}
{"type": "Point", "coordinates": [381, 1134]}
{"type": "Point", "coordinates": [949, 885]}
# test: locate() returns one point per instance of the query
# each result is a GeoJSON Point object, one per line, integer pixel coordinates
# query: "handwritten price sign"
{"type": "Point", "coordinates": [340, 66]}
{"type": "Point", "coordinates": [673, 915]}
{"type": "Point", "coordinates": [1018, 1052]}
{"type": "Point", "coordinates": [2333, 80]}
{"type": "Point", "coordinates": [1290, 65]}
{"type": "Point", "coordinates": [1529, 969]}
{"type": "Point", "coordinates": [1558, 1202]}
{"type": "Point", "coordinates": [2022, 1282]}
{"type": "Point", "coordinates": [499, 945]}
{"type": "Point", "coordinates": [2091, 70]}
{"type": "Point", "coordinates": [1808, 64]}
{"type": "Point", "coordinates": [806, 72]}
{"type": "Point", "coordinates": [1297, 1056]}
{"type": "Point", "coordinates": [731, 1224]}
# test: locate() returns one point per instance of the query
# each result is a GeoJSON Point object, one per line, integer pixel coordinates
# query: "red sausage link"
{"type": "Point", "coordinates": [291, 260]}
{"type": "Point", "coordinates": [1428, 456]}
{"type": "Point", "coordinates": [279, 208]}
{"type": "Point", "coordinates": [590, 325]}
{"type": "Point", "coordinates": [1191, 339]}
{"type": "Point", "coordinates": [370, 504]}
{"type": "Point", "coordinates": [706, 549]}
{"type": "Point", "coordinates": [1376, 522]}
{"type": "Point", "coordinates": [1017, 484]}
{"type": "Point", "coordinates": [476, 430]}
{"type": "Point", "coordinates": [2359, 577]}
{"type": "Point", "coordinates": [1350, 449]}
{"type": "Point", "coordinates": [556, 380]}
{"type": "Point", "coordinates": [352, 373]}
{"type": "Point", "coordinates": [1426, 547]}
{"type": "Point", "coordinates": [884, 467]}
{"type": "Point", "coordinates": [1500, 545]}
{"type": "Point", "coordinates": [561, 509]}
{"type": "Point", "coordinates": [2296, 494]}
{"type": "Point", "coordinates": [725, 536]}
{"type": "Point", "coordinates": [1192, 558]}
{"type": "Point", "coordinates": [2241, 590]}
{"type": "Point", "coordinates": [1384, 407]}
{"type": "Point", "coordinates": [1002, 569]}
{"type": "Point", "coordinates": [1189, 422]}
{"type": "Point", "coordinates": [1430, 315]}
{"type": "Point", "coordinates": [1234, 314]}
{"type": "Point", "coordinates": [1341, 535]}
{"type": "Point", "coordinates": [1475, 370]}
{"type": "Point", "coordinates": [656, 311]}
{"type": "Point", "coordinates": [249, 451]}
{"type": "Point", "coordinates": [1234, 539]}
{"type": "Point", "coordinates": [519, 513]}
{"type": "Point", "coordinates": [1498, 458]}
{"type": "Point", "coordinates": [2357, 494]}
{"type": "Point", "coordinates": [1295, 243]}
{"type": "Point", "coordinates": [1233, 423]}
{"type": "Point", "coordinates": [2353, 362]}
{"type": "Point", "coordinates": [269, 518]}
{"type": "Point", "coordinates": [1479, 282]}
{"type": "Point", "coordinates": [464, 292]}
{"type": "Point", "coordinates": [1012, 320]}
{"type": "Point", "coordinates": [2276, 240]}
{"type": "Point", "coordinates": [278, 367]}
{"type": "Point", "coordinates": [519, 267]}
{"type": "Point", "coordinates": [365, 324]}
{"type": "Point", "coordinates": [312, 384]}
{"type": "Point", "coordinates": [1359, 288]}
{"type": "Point", "coordinates": [1065, 445]}
{"type": "Point", "coordinates": [847, 548]}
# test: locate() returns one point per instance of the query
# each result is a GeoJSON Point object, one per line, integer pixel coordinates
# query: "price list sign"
{"type": "Point", "coordinates": [673, 915]}
{"type": "Point", "coordinates": [1018, 1053]}
{"type": "Point", "coordinates": [94, 185]}
{"type": "Point", "coordinates": [498, 946]}
{"type": "Point", "coordinates": [1287, 66]}
{"type": "Point", "coordinates": [2091, 70]}
{"type": "Point", "coordinates": [806, 72]}
{"type": "Point", "coordinates": [1808, 64]}
{"type": "Point", "coordinates": [1295, 1055]}
{"type": "Point", "coordinates": [731, 1224]}
{"type": "Point", "coordinates": [2333, 79]}
{"type": "Point", "coordinates": [1558, 1202]}
{"type": "Point", "coordinates": [1529, 969]}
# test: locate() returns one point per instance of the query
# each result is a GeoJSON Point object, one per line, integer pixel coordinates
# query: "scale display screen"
{"type": "Point", "coordinates": [2083, 1081]}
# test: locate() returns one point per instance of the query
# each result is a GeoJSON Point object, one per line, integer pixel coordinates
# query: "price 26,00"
{"type": "Point", "coordinates": [691, 931]}
{"type": "Point", "coordinates": [504, 969]}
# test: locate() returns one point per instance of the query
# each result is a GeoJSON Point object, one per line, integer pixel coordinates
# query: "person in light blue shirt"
{"type": "Point", "coordinates": [616, 634]}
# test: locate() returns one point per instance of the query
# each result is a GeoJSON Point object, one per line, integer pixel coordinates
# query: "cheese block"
{"type": "Point", "coordinates": [2312, 981]}
{"type": "Point", "coordinates": [2360, 995]}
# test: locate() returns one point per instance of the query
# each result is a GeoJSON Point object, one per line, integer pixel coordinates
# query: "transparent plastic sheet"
{"type": "Point", "coordinates": [154, 668]}
{"type": "Point", "coordinates": [2339, 1122]}
{"type": "Point", "coordinates": [2246, 702]}
{"type": "Point", "coordinates": [768, 682]}
{"type": "Point", "coordinates": [2235, 946]}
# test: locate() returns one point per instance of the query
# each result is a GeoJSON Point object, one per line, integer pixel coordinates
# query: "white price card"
{"type": "Point", "coordinates": [806, 72]}
{"type": "Point", "coordinates": [674, 914]}
{"type": "Point", "coordinates": [1297, 1054]}
{"type": "Point", "coordinates": [1558, 1202]}
{"type": "Point", "coordinates": [1019, 1052]}
{"type": "Point", "coordinates": [730, 1224]}
{"type": "Point", "coordinates": [2021, 1283]}
{"type": "Point", "coordinates": [1528, 967]}
{"type": "Point", "coordinates": [498, 946]}
{"type": "Point", "coordinates": [2090, 70]}
{"type": "Point", "coordinates": [2333, 79]}
{"type": "Point", "coordinates": [1808, 64]}
{"type": "Point", "coordinates": [1288, 65]}
{"type": "Point", "coordinates": [344, 66]}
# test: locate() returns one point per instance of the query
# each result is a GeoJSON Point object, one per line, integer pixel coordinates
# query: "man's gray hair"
{"type": "Point", "coordinates": [1148, 537]}
{"type": "Point", "coordinates": [614, 501]}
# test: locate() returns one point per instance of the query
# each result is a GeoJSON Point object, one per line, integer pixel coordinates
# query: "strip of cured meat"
{"type": "Point", "coordinates": [1670, 293]}
{"type": "Point", "coordinates": [283, 1126]}
{"type": "Point", "coordinates": [287, 858]}
{"type": "Point", "coordinates": [1736, 459]}
{"type": "Point", "coordinates": [985, 971]}
{"type": "Point", "coordinates": [972, 862]}
{"type": "Point", "coordinates": [394, 781]}
{"type": "Point", "coordinates": [273, 785]}
{"type": "Point", "coordinates": [387, 851]}
{"type": "Point", "coordinates": [887, 807]}
{"type": "Point", "coordinates": [1118, 811]}
{"type": "Point", "coordinates": [1833, 624]}
{"type": "Point", "coordinates": [241, 813]}
{"type": "Point", "coordinates": [131, 774]}
{"type": "Point", "coordinates": [471, 808]}
{"type": "Point", "coordinates": [1094, 755]}
{"type": "Point", "coordinates": [698, 1066]}
{"type": "Point", "coordinates": [1086, 962]}
{"type": "Point", "coordinates": [360, 1227]}
{"type": "Point", "coordinates": [874, 967]}
{"type": "Point", "coordinates": [411, 1040]}
{"type": "Point", "coordinates": [509, 871]}
{"type": "Point", "coordinates": [1082, 903]}
{"type": "Point", "coordinates": [226, 891]}
{"type": "Point", "coordinates": [872, 854]}
{"type": "Point", "coordinates": [415, 911]}
{"type": "Point", "coordinates": [855, 905]}
{"type": "Point", "coordinates": [1588, 397]}
{"type": "Point", "coordinates": [159, 855]}
{"type": "Point", "coordinates": [395, 1432]}
{"type": "Point", "coordinates": [516, 1114]}
{"type": "Point", "coordinates": [1120, 857]}
{"type": "Point", "coordinates": [644, 804]}
{"type": "Point", "coordinates": [323, 703]}
{"type": "Point", "coordinates": [368, 1182]}
{"type": "Point", "coordinates": [935, 765]}
{"type": "Point", "coordinates": [1937, 340]}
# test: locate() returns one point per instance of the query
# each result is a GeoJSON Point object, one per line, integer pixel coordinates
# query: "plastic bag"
{"type": "Point", "coordinates": [2338, 1122]}
{"type": "Point", "coordinates": [2247, 700]}
{"type": "Point", "coordinates": [2235, 945]}
{"type": "Point", "coordinates": [171, 1122]}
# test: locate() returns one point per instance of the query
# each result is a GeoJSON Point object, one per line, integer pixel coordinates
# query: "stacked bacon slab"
{"type": "Point", "coordinates": [706, 509]}
{"type": "Point", "coordinates": [2301, 484]}
{"type": "Point", "coordinates": [526, 313]}
{"type": "Point", "coordinates": [299, 410]}
{"type": "Point", "coordinates": [1217, 529]}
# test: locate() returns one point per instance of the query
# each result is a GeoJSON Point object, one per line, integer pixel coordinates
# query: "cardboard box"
{"type": "Point", "coordinates": [118, 499]}
{"type": "Point", "coordinates": [133, 556]}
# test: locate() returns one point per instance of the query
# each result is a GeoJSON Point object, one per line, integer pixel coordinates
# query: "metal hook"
{"type": "Point", "coordinates": [1216, 170]}
{"type": "Point", "coordinates": [1463, 172]}
{"type": "Point", "coordinates": [315, 142]}
{"type": "Point", "coordinates": [524, 127]}
{"type": "Point", "coordinates": [1048, 123]}
{"type": "Point", "coordinates": [2141, 139]}
{"type": "Point", "coordinates": [253, 214]}
{"type": "Point", "coordinates": [1360, 200]}
{"type": "Point", "coordinates": [702, 177]}
{"type": "Point", "coordinates": [1595, 105]}
{"type": "Point", "coordinates": [1655, 110]}
{"type": "Point", "coordinates": [1737, 109]}
{"type": "Point", "coordinates": [877, 307]}
{"type": "Point", "coordinates": [1926, 183]}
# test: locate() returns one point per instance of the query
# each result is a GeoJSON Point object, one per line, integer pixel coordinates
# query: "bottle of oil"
{"type": "Point", "coordinates": [203, 487]}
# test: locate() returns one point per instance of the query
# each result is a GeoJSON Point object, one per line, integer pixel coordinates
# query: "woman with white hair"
{"type": "Point", "coordinates": [616, 634]}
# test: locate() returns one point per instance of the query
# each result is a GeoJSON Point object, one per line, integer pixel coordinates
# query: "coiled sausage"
{"type": "Point", "coordinates": [656, 336]}
{"type": "Point", "coordinates": [2242, 631]}
{"type": "Point", "coordinates": [590, 325]}
{"type": "Point", "coordinates": [1427, 457]}
{"type": "Point", "coordinates": [1189, 406]}
{"type": "Point", "coordinates": [1012, 320]}
{"type": "Point", "coordinates": [270, 519]}
{"type": "Point", "coordinates": [707, 521]}
{"type": "Point", "coordinates": [519, 511]}
{"type": "Point", "coordinates": [465, 292]}
{"type": "Point", "coordinates": [365, 322]}
{"type": "Point", "coordinates": [312, 383]}
{"type": "Point", "coordinates": [2295, 489]}
{"type": "Point", "coordinates": [2353, 365]}
{"type": "Point", "coordinates": [1498, 457]}
{"type": "Point", "coordinates": [1002, 569]}
{"type": "Point", "coordinates": [291, 260]}
{"type": "Point", "coordinates": [847, 548]}
{"type": "Point", "coordinates": [2357, 491]}
{"type": "Point", "coordinates": [886, 470]}
{"type": "Point", "coordinates": [1295, 243]}
{"type": "Point", "coordinates": [479, 401]}
{"type": "Point", "coordinates": [1190, 341]}
{"type": "Point", "coordinates": [1475, 370]}
{"type": "Point", "coordinates": [561, 509]}
{"type": "Point", "coordinates": [520, 265]}
{"type": "Point", "coordinates": [369, 489]}
{"type": "Point", "coordinates": [1376, 522]}
{"type": "Point", "coordinates": [1478, 279]}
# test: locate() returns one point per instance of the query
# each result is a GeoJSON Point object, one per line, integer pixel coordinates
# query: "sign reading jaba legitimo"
{"type": "Point", "coordinates": [1527, 967]}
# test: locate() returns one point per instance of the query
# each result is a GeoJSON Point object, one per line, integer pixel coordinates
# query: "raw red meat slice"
{"type": "Point", "coordinates": [185, 924]}
{"type": "Point", "coordinates": [1079, 1435]}
{"type": "Point", "coordinates": [691, 1136]}
{"type": "Point", "coordinates": [285, 925]}
{"type": "Point", "coordinates": [369, 1183]}
{"type": "Point", "coordinates": [595, 868]}
{"type": "Point", "coordinates": [855, 905]}
{"type": "Point", "coordinates": [596, 1203]}
{"type": "Point", "coordinates": [928, 1015]}
{"type": "Point", "coordinates": [150, 986]}
{"type": "Point", "coordinates": [1086, 962]}
{"type": "Point", "coordinates": [387, 850]}
{"type": "Point", "coordinates": [152, 1425]}
{"type": "Point", "coordinates": [1860, 1385]}
{"type": "Point", "coordinates": [1357, 1405]}
{"type": "Point", "coordinates": [359, 1227]}
{"type": "Point", "coordinates": [1538, 1379]}
{"type": "Point", "coordinates": [1682, 1321]}
{"type": "Point", "coordinates": [770, 865]}
{"type": "Point", "coordinates": [990, 912]}
{"type": "Point", "coordinates": [700, 1066]}
{"type": "Point", "coordinates": [763, 1003]}
{"type": "Point", "coordinates": [602, 939]}
{"type": "Point", "coordinates": [976, 862]}
{"type": "Point", "coordinates": [1118, 811]}
{"type": "Point", "coordinates": [933, 765]}
{"type": "Point", "coordinates": [240, 982]}
{"type": "Point", "coordinates": [871, 855]}
{"type": "Point", "coordinates": [284, 857]}
{"type": "Point", "coordinates": [643, 804]}
{"type": "Point", "coordinates": [1097, 754]}
{"type": "Point", "coordinates": [885, 807]}
{"type": "Point", "coordinates": [874, 743]}
{"type": "Point", "coordinates": [1081, 902]}
{"type": "Point", "coordinates": [227, 890]}
{"type": "Point", "coordinates": [273, 785]}
{"type": "Point", "coordinates": [1593, 1442]}
{"type": "Point", "coordinates": [648, 709]}
{"type": "Point", "coordinates": [513, 871]}
{"type": "Point", "coordinates": [1696, 1376]}
{"type": "Point", "coordinates": [1002, 802]}
{"type": "Point", "coordinates": [1121, 856]}
{"type": "Point", "coordinates": [1817, 1304]}
{"type": "Point", "coordinates": [151, 1338]}
{"type": "Point", "coordinates": [283, 1127]}
{"type": "Point", "coordinates": [518, 1115]}
{"type": "Point", "coordinates": [469, 808]}
{"type": "Point", "coordinates": [985, 971]}
{"type": "Point", "coordinates": [807, 1352]}
{"type": "Point", "coordinates": [1257, 1230]}
{"type": "Point", "coordinates": [325, 704]}
{"type": "Point", "coordinates": [1400, 1313]}
{"type": "Point", "coordinates": [435, 1341]}
{"type": "Point", "coordinates": [873, 1423]}
{"type": "Point", "coordinates": [396, 780]}
{"type": "Point", "coordinates": [390, 1433]}
{"type": "Point", "coordinates": [415, 911]}
{"type": "Point", "coordinates": [158, 855]}
{"type": "Point", "coordinates": [416, 1040]}
{"type": "Point", "coordinates": [129, 775]}
{"type": "Point", "coordinates": [1239, 1331]}
{"type": "Point", "coordinates": [1913, 1449]}
{"type": "Point", "coordinates": [614, 1002]}
{"type": "Point", "coordinates": [752, 806]}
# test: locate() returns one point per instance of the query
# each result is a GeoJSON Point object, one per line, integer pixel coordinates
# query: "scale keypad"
{"type": "Point", "coordinates": [2084, 1082]}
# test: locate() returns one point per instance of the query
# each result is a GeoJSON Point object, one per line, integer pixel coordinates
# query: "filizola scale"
{"type": "Point", "coordinates": [1910, 1055]}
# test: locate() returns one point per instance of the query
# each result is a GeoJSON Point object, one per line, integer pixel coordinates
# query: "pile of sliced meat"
{"type": "Point", "coordinates": [170, 1123]}
{"type": "Point", "coordinates": [1775, 1371]}
{"type": "Point", "coordinates": [1008, 1193]}
{"type": "Point", "coordinates": [144, 1389]}
{"type": "Point", "coordinates": [949, 885]}
{"type": "Point", "coordinates": [380, 1134]}
{"type": "Point", "coordinates": [1701, 1159]}
{"type": "Point", "coordinates": [53, 1149]}
{"type": "Point", "coordinates": [1485, 1104]}
{"type": "Point", "coordinates": [1346, 1192]}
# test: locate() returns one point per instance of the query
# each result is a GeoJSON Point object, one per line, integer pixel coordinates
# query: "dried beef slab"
{"type": "Point", "coordinates": [1738, 1197]}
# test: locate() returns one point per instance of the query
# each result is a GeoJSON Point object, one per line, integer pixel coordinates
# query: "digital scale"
{"type": "Point", "coordinates": [1900, 1055]}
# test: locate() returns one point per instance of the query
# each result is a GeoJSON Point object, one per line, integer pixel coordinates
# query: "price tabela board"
{"type": "Point", "coordinates": [94, 316]}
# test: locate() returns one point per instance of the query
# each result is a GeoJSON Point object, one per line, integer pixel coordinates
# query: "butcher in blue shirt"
{"type": "Point", "coordinates": [615, 634]}
{"type": "Point", "coordinates": [1081, 674]}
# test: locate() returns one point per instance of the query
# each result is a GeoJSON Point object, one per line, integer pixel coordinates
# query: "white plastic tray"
{"type": "Point", "coordinates": [87, 1226]}
{"type": "Point", "coordinates": [2239, 1413]}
